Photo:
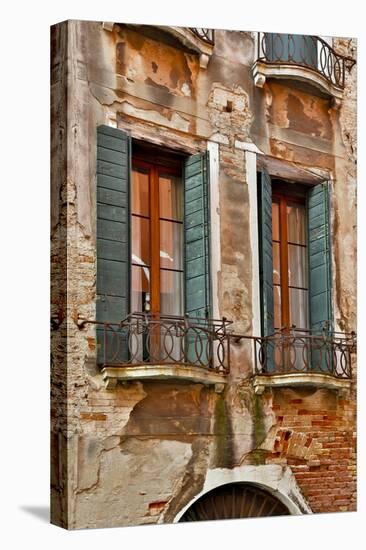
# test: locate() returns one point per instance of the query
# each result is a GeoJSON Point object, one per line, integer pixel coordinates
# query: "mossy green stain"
{"type": "Point", "coordinates": [222, 433]}
{"type": "Point", "coordinates": [257, 457]}
{"type": "Point", "coordinates": [259, 429]}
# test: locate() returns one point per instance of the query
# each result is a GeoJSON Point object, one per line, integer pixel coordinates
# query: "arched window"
{"type": "Point", "coordinates": [234, 501]}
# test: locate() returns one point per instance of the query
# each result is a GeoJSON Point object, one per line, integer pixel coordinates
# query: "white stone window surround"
{"type": "Point", "coordinates": [215, 228]}
{"type": "Point", "coordinates": [215, 224]}
{"type": "Point", "coordinates": [113, 375]}
{"type": "Point", "coordinates": [282, 169]}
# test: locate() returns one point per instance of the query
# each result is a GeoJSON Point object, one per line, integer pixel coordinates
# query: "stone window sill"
{"type": "Point", "coordinates": [317, 380]}
{"type": "Point", "coordinates": [112, 375]}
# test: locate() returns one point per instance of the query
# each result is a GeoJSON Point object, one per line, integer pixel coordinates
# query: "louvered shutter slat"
{"type": "Point", "coordinates": [113, 286]}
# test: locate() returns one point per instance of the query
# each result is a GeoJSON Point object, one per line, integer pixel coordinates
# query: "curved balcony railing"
{"type": "Point", "coordinates": [147, 339]}
{"type": "Point", "coordinates": [304, 51]}
{"type": "Point", "coordinates": [206, 35]}
{"type": "Point", "coordinates": [300, 352]}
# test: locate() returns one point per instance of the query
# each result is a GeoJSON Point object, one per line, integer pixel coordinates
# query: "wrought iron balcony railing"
{"type": "Point", "coordinates": [303, 352]}
{"type": "Point", "coordinates": [146, 339]}
{"type": "Point", "coordinates": [304, 51]}
{"type": "Point", "coordinates": [206, 35]}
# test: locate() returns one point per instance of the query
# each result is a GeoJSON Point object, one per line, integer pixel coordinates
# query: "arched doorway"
{"type": "Point", "coordinates": [234, 501]}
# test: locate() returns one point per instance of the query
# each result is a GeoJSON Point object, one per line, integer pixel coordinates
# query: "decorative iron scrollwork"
{"type": "Point", "coordinates": [307, 51]}
{"type": "Point", "coordinates": [144, 338]}
{"type": "Point", "coordinates": [324, 353]}
{"type": "Point", "coordinates": [206, 35]}
{"type": "Point", "coordinates": [151, 339]}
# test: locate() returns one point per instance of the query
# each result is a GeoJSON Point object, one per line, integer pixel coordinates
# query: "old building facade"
{"type": "Point", "coordinates": [203, 226]}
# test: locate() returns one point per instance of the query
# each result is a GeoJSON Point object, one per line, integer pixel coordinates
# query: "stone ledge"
{"type": "Point", "coordinates": [318, 380]}
{"type": "Point", "coordinates": [191, 41]}
{"type": "Point", "coordinates": [113, 375]}
{"type": "Point", "coordinates": [262, 70]}
{"type": "Point", "coordinates": [185, 36]}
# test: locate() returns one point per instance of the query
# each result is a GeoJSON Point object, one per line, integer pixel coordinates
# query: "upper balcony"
{"type": "Point", "coordinates": [161, 347]}
{"type": "Point", "coordinates": [197, 39]}
{"type": "Point", "coordinates": [200, 40]}
{"type": "Point", "coordinates": [309, 59]}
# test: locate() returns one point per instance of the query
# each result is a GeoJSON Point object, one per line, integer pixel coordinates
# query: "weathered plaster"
{"type": "Point", "coordinates": [142, 452]}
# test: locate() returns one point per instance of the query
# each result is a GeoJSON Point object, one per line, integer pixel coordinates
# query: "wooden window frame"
{"type": "Point", "coordinates": [173, 168]}
{"type": "Point", "coordinates": [283, 200]}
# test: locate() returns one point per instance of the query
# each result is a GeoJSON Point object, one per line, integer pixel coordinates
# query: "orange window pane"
{"type": "Point", "coordinates": [297, 266]}
{"type": "Point", "coordinates": [277, 307]}
{"type": "Point", "coordinates": [140, 192]}
{"type": "Point", "coordinates": [296, 223]}
{"type": "Point", "coordinates": [299, 315]}
{"type": "Point", "coordinates": [140, 288]}
{"type": "Point", "coordinates": [170, 198]}
{"type": "Point", "coordinates": [171, 292]}
{"type": "Point", "coordinates": [140, 240]}
{"type": "Point", "coordinates": [276, 264]}
{"type": "Point", "coordinates": [275, 221]}
{"type": "Point", "coordinates": [171, 245]}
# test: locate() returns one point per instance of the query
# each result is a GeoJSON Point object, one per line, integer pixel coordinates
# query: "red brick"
{"type": "Point", "coordinates": [93, 416]}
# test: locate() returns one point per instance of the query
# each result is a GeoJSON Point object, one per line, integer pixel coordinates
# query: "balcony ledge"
{"type": "Point", "coordinates": [185, 36]}
{"type": "Point", "coordinates": [262, 70]}
{"type": "Point", "coordinates": [191, 41]}
{"type": "Point", "coordinates": [297, 379]}
{"type": "Point", "coordinates": [112, 375]}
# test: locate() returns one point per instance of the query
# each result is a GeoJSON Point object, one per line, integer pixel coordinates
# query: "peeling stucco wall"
{"type": "Point", "coordinates": [345, 198]}
{"type": "Point", "coordinates": [140, 453]}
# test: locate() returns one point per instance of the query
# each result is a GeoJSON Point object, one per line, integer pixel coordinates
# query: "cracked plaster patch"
{"type": "Point", "coordinates": [229, 111]}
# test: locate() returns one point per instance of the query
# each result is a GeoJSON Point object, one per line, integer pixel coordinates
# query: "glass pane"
{"type": "Point", "coordinates": [277, 307]}
{"type": "Point", "coordinates": [171, 292]}
{"type": "Point", "coordinates": [275, 221]}
{"type": "Point", "coordinates": [140, 240]}
{"type": "Point", "coordinates": [298, 48]}
{"type": "Point", "coordinates": [296, 227]}
{"type": "Point", "coordinates": [171, 245]}
{"type": "Point", "coordinates": [140, 192]}
{"type": "Point", "coordinates": [297, 266]}
{"type": "Point", "coordinates": [140, 288]}
{"type": "Point", "coordinates": [170, 198]}
{"type": "Point", "coordinates": [276, 264]}
{"type": "Point", "coordinates": [299, 308]}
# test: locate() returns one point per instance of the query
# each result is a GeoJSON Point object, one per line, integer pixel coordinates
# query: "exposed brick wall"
{"type": "Point", "coordinates": [315, 436]}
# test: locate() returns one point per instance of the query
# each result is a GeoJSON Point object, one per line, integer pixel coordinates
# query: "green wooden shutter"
{"type": "Point", "coordinates": [113, 249]}
{"type": "Point", "coordinates": [197, 254]}
{"type": "Point", "coordinates": [266, 253]}
{"type": "Point", "coordinates": [266, 263]}
{"type": "Point", "coordinates": [320, 291]}
{"type": "Point", "coordinates": [319, 258]}
{"type": "Point", "coordinates": [197, 236]}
